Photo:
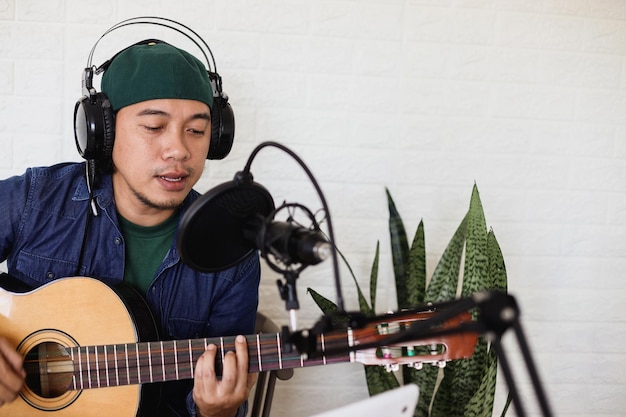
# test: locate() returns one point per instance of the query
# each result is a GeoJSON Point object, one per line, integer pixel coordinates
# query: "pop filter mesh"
{"type": "Point", "coordinates": [211, 232]}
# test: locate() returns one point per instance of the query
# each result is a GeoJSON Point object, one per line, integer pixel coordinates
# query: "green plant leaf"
{"type": "Point", "coordinates": [442, 287]}
{"type": "Point", "coordinates": [328, 308]}
{"type": "Point", "coordinates": [373, 281]}
{"type": "Point", "coordinates": [416, 269]}
{"type": "Point", "coordinates": [476, 273]}
{"type": "Point", "coordinates": [379, 380]}
{"type": "Point", "coordinates": [426, 380]}
{"type": "Point", "coordinates": [481, 403]}
{"type": "Point", "coordinates": [363, 306]}
{"type": "Point", "coordinates": [399, 251]}
{"type": "Point", "coordinates": [462, 378]}
{"type": "Point", "coordinates": [444, 282]}
{"type": "Point", "coordinates": [416, 289]}
{"type": "Point", "coordinates": [322, 302]}
{"type": "Point", "coordinates": [497, 269]}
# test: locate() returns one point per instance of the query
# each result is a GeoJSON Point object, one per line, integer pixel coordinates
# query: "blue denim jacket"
{"type": "Point", "coordinates": [42, 219]}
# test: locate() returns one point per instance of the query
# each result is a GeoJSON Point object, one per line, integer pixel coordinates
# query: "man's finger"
{"type": "Point", "coordinates": [11, 356]}
{"type": "Point", "coordinates": [241, 348]}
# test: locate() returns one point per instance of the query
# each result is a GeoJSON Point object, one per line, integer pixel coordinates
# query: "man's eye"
{"type": "Point", "coordinates": [152, 128]}
{"type": "Point", "coordinates": [196, 132]}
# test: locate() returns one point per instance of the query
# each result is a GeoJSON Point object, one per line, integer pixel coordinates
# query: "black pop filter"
{"type": "Point", "coordinates": [210, 235]}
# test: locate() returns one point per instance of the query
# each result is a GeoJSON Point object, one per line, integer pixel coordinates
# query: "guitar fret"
{"type": "Point", "coordinates": [191, 358]}
{"type": "Point", "coordinates": [258, 352]}
{"type": "Point", "coordinates": [117, 371]}
{"type": "Point", "coordinates": [95, 352]}
{"type": "Point", "coordinates": [106, 366]}
{"type": "Point", "coordinates": [222, 348]}
{"type": "Point", "coordinates": [351, 343]}
{"type": "Point", "coordinates": [150, 363]}
{"type": "Point", "coordinates": [280, 353]}
{"type": "Point", "coordinates": [127, 366]}
{"type": "Point", "coordinates": [88, 366]}
{"type": "Point", "coordinates": [80, 368]}
{"type": "Point", "coordinates": [138, 365]}
{"type": "Point", "coordinates": [176, 360]}
{"type": "Point", "coordinates": [162, 361]}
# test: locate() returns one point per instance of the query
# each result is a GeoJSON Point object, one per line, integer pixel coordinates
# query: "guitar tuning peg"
{"type": "Point", "coordinates": [391, 367]}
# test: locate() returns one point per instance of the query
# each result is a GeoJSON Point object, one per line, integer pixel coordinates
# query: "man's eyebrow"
{"type": "Point", "coordinates": [152, 112]}
{"type": "Point", "coordinates": [204, 115]}
{"type": "Point", "coordinates": [157, 112]}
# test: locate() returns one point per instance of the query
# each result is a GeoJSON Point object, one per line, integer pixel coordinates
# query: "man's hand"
{"type": "Point", "coordinates": [222, 397]}
{"type": "Point", "coordinates": [12, 374]}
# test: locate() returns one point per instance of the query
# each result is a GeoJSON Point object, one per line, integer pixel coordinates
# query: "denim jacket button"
{"type": "Point", "coordinates": [50, 275]}
{"type": "Point", "coordinates": [118, 240]}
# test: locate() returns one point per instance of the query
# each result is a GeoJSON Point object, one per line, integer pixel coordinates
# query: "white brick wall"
{"type": "Point", "coordinates": [527, 98]}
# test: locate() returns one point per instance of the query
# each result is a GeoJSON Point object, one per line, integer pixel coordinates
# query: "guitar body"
{"type": "Point", "coordinates": [71, 312]}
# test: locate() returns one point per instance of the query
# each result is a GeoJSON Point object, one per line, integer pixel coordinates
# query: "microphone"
{"type": "Point", "coordinates": [288, 242]}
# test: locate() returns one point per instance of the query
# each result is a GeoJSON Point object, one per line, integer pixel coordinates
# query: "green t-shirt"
{"type": "Point", "coordinates": [146, 248]}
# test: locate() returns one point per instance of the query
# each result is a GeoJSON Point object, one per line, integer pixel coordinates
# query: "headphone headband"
{"type": "Point", "coordinates": [184, 30]}
{"type": "Point", "coordinates": [162, 21]}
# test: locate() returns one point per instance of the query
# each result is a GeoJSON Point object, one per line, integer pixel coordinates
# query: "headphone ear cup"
{"type": "Point", "coordinates": [222, 129]}
{"type": "Point", "coordinates": [84, 123]}
{"type": "Point", "coordinates": [94, 127]}
{"type": "Point", "coordinates": [108, 136]}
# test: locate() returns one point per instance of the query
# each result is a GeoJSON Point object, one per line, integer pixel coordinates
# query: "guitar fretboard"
{"type": "Point", "coordinates": [148, 362]}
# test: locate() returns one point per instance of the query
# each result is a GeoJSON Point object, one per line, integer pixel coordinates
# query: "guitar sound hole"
{"type": "Point", "coordinates": [49, 370]}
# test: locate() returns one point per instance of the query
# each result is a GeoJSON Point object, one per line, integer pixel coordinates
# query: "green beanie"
{"type": "Point", "coordinates": [154, 71]}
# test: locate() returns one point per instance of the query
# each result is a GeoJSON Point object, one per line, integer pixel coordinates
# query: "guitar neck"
{"type": "Point", "coordinates": [148, 362]}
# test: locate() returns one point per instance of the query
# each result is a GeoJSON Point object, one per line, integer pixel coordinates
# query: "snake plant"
{"type": "Point", "coordinates": [473, 262]}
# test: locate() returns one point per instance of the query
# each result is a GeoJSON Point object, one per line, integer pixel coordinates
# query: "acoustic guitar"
{"type": "Point", "coordinates": [86, 354]}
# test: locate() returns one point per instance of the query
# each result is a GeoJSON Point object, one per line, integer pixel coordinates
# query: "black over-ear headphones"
{"type": "Point", "coordinates": [94, 119]}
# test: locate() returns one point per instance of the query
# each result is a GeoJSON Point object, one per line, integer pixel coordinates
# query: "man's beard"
{"type": "Point", "coordinates": [167, 205]}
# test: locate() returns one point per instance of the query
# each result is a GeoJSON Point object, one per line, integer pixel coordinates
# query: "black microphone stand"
{"type": "Point", "coordinates": [499, 312]}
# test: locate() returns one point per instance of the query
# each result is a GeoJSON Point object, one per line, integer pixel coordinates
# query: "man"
{"type": "Point", "coordinates": [162, 100]}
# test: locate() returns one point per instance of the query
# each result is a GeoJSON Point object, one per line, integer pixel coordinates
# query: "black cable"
{"type": "Point", "coordinates": [85, 234]}
{"type": "Point", "coordinates": [91, 177]}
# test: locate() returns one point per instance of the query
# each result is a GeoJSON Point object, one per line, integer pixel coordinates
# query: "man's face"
{"type": "Point", "coordinates": [158, 155]}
